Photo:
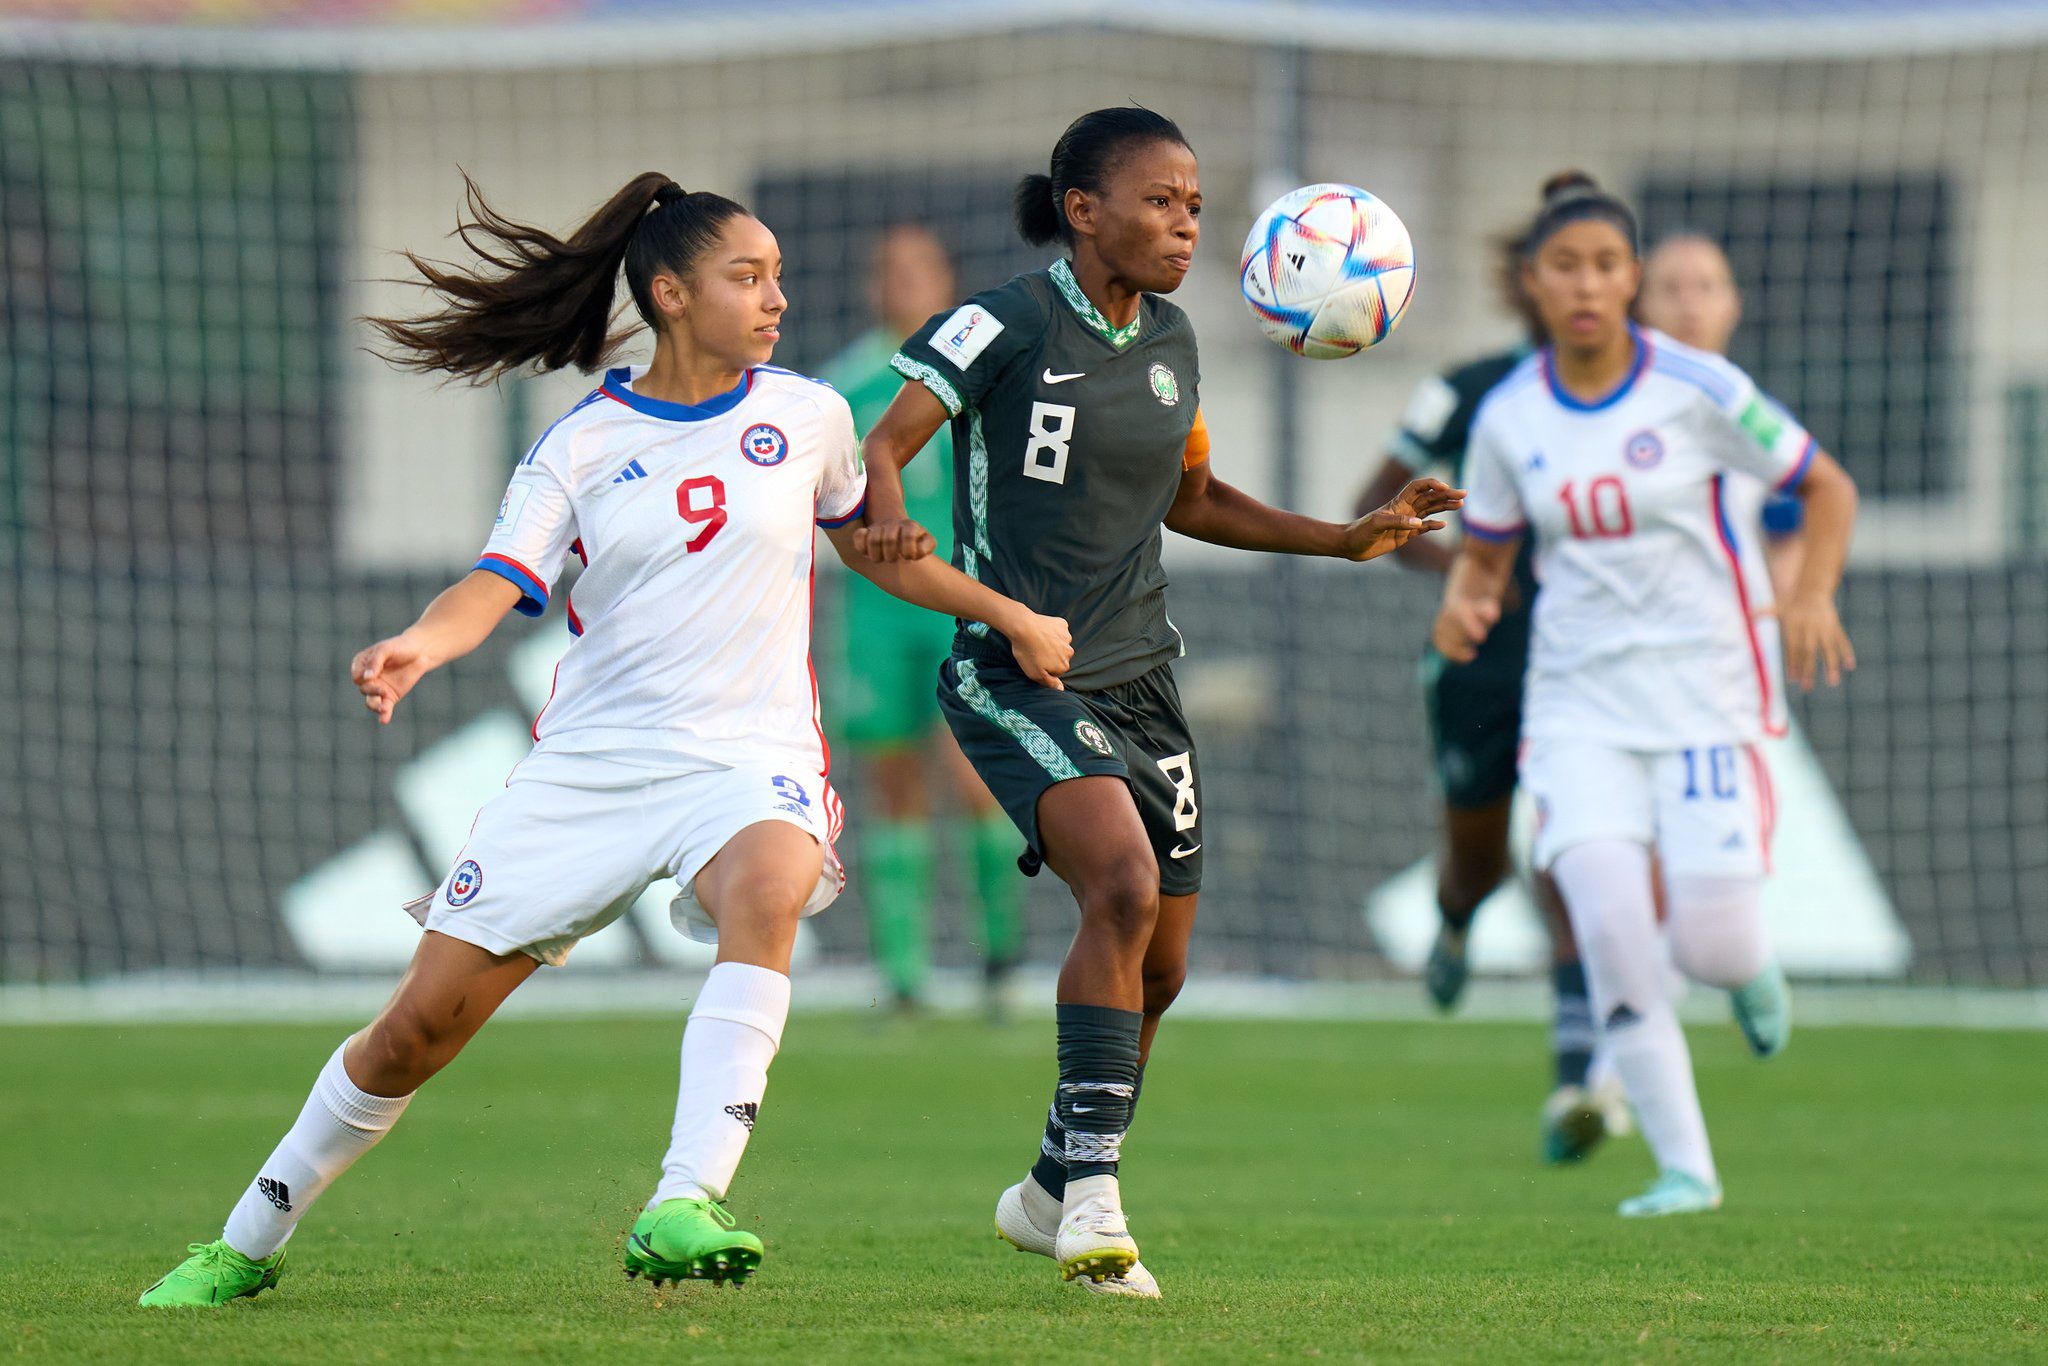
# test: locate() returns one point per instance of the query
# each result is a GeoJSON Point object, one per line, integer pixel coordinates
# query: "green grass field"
{"type": "Point", "coordinates": [1336, 1190]}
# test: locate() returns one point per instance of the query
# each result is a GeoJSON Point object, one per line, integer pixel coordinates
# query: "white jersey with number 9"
{"type": "Point", "coordinates": [693, 613]}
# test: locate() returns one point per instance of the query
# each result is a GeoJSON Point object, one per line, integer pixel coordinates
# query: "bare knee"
{"type": "Point", "coordinates": [400, 1050]}
{"type": "Point", "coordinates": [1123, 899]}
{"type": "Point", "coordinates": [1162, 984]}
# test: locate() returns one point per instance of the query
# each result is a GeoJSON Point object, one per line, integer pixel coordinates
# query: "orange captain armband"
{"type": "Point", "coordinates": [1197, 449]}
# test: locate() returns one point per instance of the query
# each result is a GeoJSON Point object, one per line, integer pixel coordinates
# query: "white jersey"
{"type": "Point", "coordinates": [1647, 631]}
{"type": "Point", "coordinates": [692, 615]}
{"type": "Point", "coordinates": [1745, 497]}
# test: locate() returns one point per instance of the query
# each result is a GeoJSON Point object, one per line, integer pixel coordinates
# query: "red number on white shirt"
{"type": "Point", "coordinates": [701, 502]}
{"type": "Point", "coordinates": [1606, 508]}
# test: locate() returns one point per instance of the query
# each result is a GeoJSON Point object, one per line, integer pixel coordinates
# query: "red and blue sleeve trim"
{"type": "Point", "coordinates": [834, 523]}
{"type": "Point", "coordinates": [533, 593]}
{"type": "Point", "coordinates": [1791, 481]}
{"type": "Point", "coordinates": [1496, 534]}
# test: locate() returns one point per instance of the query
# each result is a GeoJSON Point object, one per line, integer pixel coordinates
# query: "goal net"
{"type": "Point", "coordinates": [210, 496]}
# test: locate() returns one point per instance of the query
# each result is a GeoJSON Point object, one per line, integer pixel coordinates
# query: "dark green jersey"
{"type": "Point", "coordinates": [1069, 438]}
{"type": "Point", "coordinates": [1434, 431]}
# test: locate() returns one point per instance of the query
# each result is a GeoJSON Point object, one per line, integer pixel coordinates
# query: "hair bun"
{"type": "Point", "coordinates": [1568, 182]}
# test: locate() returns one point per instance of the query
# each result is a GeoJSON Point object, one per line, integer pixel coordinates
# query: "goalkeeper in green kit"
{"type": "Point", "coordinates": [890, 655]}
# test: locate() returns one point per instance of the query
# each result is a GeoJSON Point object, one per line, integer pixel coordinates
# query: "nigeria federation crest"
{"type": "Point", "coordinates": [764, 444]}
{"type": "Point", "coordinates": [1165, 387]}
{"type": "Point", "coordinates": [1087, 732]}
{"type": "Point", "coordinates": [465, 882]}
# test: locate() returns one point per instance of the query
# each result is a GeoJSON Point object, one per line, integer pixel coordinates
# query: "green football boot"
{"type": "Point", "coordinates": [691, 1240]}
{"type": "Point", "coordinates": [1673, 1193]}
{"type": "Point", "coordinates": [1573, 1125]}
{"type": "Point", "coordinates": [1448, 969]}
{"type": "Point", "coordinates": [212, 1275]}
{"type": "Point", "coordinates": [1763, 1011]}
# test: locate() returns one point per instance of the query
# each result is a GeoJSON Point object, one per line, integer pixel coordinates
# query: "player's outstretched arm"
{"type": "Point", "coordinates": [1210, 510]}
{"type": "Point", "coordinates": [888, 534]}
{"type": "Point", "coordinates": [1807, 621]}
{"type": "Point", "coordinates": [1433, 556]}
{"type": "Point", "coordinates": [1472, 598]}
{"type": "Point", "coordinates": [1042, 645]}
{"type": "Point", "coordinates": [454, 624]}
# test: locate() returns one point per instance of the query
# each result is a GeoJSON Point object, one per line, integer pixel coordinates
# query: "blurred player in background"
{"type": "Point", "coordinates": [1648, 691]}
{"type": "Point", "coordinates": [1475, 722]}
{"type": "Point", "coordinates": [891, 651]}
{"type": "Point", "coordinates": [682, 737]}
{"type": "Point", "coordinates": [1689, 293]}
{"type": "Point", "coordinates": [1075, 395]}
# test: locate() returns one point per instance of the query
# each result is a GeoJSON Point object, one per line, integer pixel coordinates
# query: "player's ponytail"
{"type": "Point", "coordinates": [1039, 217]}
{"type": "Point", "coordinates": [535, 299]}
{"type": "Point", "coordinates": [1082, 160]}
{"type": "Point", "coordinates": [1574, 196]}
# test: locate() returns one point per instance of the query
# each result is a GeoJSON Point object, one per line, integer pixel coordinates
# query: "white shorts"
{"type": "Point", "coordinates": [1707, 811]}
{"type": "Point", "coordinates": [547, 864]}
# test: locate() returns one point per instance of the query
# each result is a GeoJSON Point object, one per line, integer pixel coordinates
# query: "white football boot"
{"type": "Point", "coordinates": [1028, 1219]}
{"type": "Point", "coordinates": [1094, 1239]}
{"type": "Point", "coordinates": [1605, 1088]}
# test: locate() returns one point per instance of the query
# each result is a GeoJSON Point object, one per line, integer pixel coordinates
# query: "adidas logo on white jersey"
{"type": "Point", "coordinates": [632, 471]}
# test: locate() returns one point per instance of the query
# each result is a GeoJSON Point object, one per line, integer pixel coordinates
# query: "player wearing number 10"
{"type": "Point", "coordinates": [682, 738]}
{"type": "Point", "coordinates": [1648, 689]}
{"type": "Point", "coordinates": [1075, 398]}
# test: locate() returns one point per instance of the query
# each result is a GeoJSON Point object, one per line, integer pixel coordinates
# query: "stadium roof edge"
{"type": "Point", "coordinates": [1533, 30]}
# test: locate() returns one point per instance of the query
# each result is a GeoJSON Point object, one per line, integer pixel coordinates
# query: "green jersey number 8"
{"type": "Point", "coordinates": [1052, 427]}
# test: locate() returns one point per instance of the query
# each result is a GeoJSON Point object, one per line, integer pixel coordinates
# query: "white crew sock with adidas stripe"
{"type": "Point", "coordinates": [340, 1122]}
{"type": "Point", "coordinates": [732, 1036]}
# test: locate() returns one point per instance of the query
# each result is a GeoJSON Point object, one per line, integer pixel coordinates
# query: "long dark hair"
{"type": "Point", "coordinates": [534, 299]}
{"type": "Point", "coordinates": [1081, 160]}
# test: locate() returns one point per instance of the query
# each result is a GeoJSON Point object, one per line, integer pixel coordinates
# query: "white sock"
{"type": "Point", "coordinates": [1606, 888]}
{"type": "Point", "coordinates": [1717, 929]}
{"type": "Point", "coordinates": [340, 1122]}
{"type": "Point", "coordinates": [732, 1036]}
{"type": "Point", "coordinates": [1656, 1070]}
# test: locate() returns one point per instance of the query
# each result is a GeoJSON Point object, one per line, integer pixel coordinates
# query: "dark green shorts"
{"type": "Point", "coordinates": [1475, 726]}
{"type": "Point", "coordinates": [1022, 738]}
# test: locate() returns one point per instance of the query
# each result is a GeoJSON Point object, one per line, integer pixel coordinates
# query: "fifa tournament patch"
{"type": "Point", "coordinates": [1165, 387]}
{"type": "Point", "coordinates": [513, 505]}
{"type": "Point", "coordinates": [465, 882]}
{"type": "Point", "coordinates": [1762, 423]}
{"type": "Point", "coordinates": [764, 444]}
{"type": "Point", "coordinates": [966, 334]}
{"type": "Point", "coordinates": [1090, 734]}
{"type": "Point", "coordinates": [1643, 450]}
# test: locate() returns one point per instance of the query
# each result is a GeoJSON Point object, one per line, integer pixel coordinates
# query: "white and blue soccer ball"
{"type": "Point", "coordinates": [1328, 271]}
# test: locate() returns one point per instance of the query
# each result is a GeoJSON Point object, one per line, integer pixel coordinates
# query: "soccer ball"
{"type": "Point", "coordinates": [1327, 271]}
